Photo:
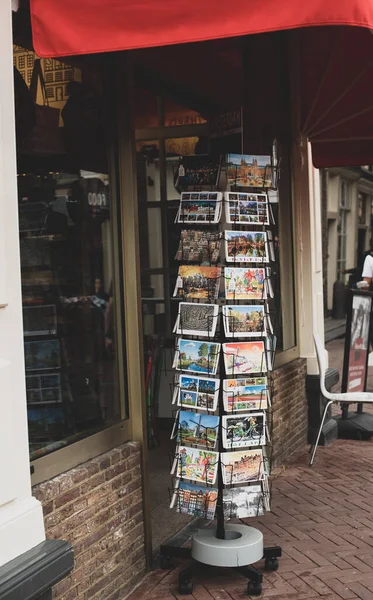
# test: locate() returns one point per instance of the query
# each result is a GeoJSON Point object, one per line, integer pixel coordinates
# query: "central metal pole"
{"type": "Point", "coordinates": [220, 529]}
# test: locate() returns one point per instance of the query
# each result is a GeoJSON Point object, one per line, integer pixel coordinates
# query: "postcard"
{"type": "Point", "coordinates": [40, 320]}
{"type": "Point", "coordinates": [46, 422]}
{"type": "Point", "coordinates": [196, 429]}
{"type": "Point", "coordinates": [197, 319]}
{"type": "Point", "coordinates": [43, 388]}
{"type": "Point", "coordinates": [245, 394]}
{"type": "Point", "coordinates": [198, 207]}
{"type": "Point", "coordinates": [243, 466]}
{"type": "Point", "coordinates": [195, 500]}
{"type": "Point", "coordinates": [196, 465]}
{"type": "Point", "coordinates": [199, 246]}
{"type": "Point", "coordinates": [242, 431]}
{"type": "Point", "coordinates": [244, 320]}
{"type": "Point", "coordinates": [196, 392]}
{"type": "Point", "coordinates": [270, 344]}
{"type": "Point", "coordinates": [195, 356]}
{"type": "Point", "coordinates": [268, 283]}
{"type": "Point", "coordinates": [244, 357]}
{"type": "Point", "coordinates": [243, 502]}
{"type": "Point", "coordinates": [246, 246]}
{"type": "Point", "coordinates": [249, 171]}
{"type": "Point", "coordinates": [249, 209]}
{"type": "Point", "coordinates": [246, 283]}
{"type": "Point", "coordinates": [197, 282]}
{"type": "Point", "coordinates": [197, 171]}
{"type": "Point", "coordinates": [41, 355]}
{"type": "Point", "coordinates": [266, 494]}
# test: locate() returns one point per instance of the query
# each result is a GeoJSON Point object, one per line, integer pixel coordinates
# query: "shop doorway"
{"type": "Point", "coordinates": [167, 133]}
{"type": "Point", "coordinates": [157, 164]}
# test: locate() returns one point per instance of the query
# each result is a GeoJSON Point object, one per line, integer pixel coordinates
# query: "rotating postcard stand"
{"type": "Point", "coordinates": [234, 545]}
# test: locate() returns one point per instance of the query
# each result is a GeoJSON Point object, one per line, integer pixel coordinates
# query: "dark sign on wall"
{"type": "Point", "coordinates": [355, 365]}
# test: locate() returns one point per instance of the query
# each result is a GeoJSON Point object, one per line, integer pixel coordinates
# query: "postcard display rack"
{"type": "Point", "coordinates": [224, 353]}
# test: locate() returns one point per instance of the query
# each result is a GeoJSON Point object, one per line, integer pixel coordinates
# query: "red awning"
{"type": "Point", "coordinates": [69, 27]}
{"type": "Point", "coordinates": [335, 63]}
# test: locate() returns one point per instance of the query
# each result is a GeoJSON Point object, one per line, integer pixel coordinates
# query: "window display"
{"type": "Point", "coordinates": [67, 293]}
{"type": "Point", "coordinates": [69, 274]}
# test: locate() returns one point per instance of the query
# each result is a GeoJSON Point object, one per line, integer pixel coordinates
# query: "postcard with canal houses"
{"type": "Point", "coordinates": [246, 246]}
{"type": "Point", "coordinates": [242, 466]}
{"type": "Point", "coordinates": [245, 321]}
{"type": "Point", "coordinates": [195, 500]}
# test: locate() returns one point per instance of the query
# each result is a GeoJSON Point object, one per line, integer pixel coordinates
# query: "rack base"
{"type": "Point", "coordinates": [241, 547]}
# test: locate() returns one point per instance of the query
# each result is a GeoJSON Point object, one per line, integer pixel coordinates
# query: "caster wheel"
{"type": "Point", "coordinates": [271, 564]}
{"type": "Point", "coordinates": [254, 589]}
{"type": "Point", "coordinates": [166, 563]}
{"type": "Point", "coordinates": [185, 587]}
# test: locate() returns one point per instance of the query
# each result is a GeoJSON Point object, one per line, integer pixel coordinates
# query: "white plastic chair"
{"type": "Point", "coordinates": [351, 397]}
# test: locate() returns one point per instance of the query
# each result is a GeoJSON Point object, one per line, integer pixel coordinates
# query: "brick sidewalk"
{"type": "Point", "coordinates": [323, 519]}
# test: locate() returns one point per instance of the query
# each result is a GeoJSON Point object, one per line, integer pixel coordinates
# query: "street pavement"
{"type": "Point", "coordinates": [322, 517]}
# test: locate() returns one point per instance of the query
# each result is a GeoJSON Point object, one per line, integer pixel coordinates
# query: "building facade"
{"type": "Point", "coordinates": [86, 276]}
{"type": "Point", "coordinates": [347, 224]}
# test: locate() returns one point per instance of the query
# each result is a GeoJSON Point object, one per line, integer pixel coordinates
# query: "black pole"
{"type": "Point", "coordinates": [220, 529]}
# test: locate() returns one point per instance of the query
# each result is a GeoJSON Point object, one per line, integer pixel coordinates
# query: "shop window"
{"type": "Point", "coordinates": [71, 288]}
{"type": "Point", "coordinates": [344, 207]}
{"type": "Point", "coordinates": [48, 64]}
{"type": "Point", "coordinates": [59, 93]}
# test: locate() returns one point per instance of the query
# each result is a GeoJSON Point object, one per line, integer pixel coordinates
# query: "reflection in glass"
{"type": "Point", "coordinates": [67, 293]}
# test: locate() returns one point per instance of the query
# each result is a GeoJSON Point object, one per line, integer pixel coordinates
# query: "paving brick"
{"type": "Point", "coordinates": [323, 519]}
{"type": "Point", "coordinates": [361, 591]}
